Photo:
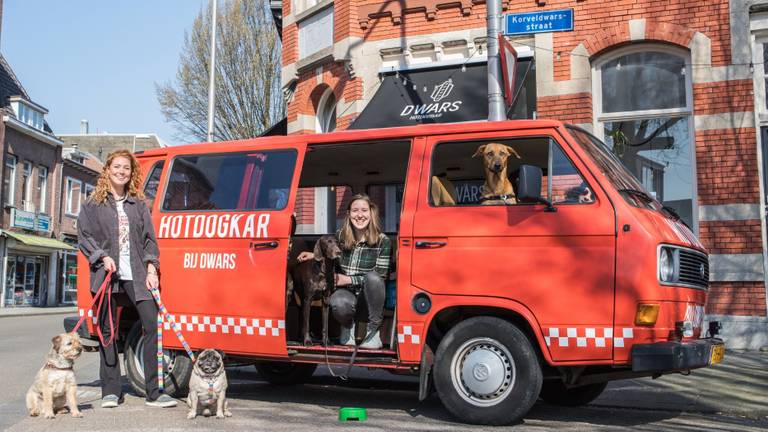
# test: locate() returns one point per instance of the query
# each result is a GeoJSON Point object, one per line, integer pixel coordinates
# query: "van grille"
{"type": "Point", "coordinates": [691, 263]}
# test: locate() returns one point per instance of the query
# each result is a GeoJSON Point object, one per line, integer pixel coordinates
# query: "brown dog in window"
{"type": "Point", "coordinates": [497, 188]}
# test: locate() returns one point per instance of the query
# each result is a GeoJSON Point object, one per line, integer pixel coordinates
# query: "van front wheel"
{"type": "Point", "coordinates": [487, 372]}
{"type": "Point", "coordinates": [178, 367]}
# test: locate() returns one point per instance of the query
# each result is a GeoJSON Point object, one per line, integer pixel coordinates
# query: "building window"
{"type": "Point", "coordinates": [316, 33]}
{"type": "Point", "coordinates": [9, 180]}
{"type": "Point", "coordinates": [74, 188]}
{"type": "Point", "coordinates": [326, 113]}
{"type": "Point", "coordinates": [42, 187]}
{"type": "Point", "coordinates": [643, 112]}
{"type": "Point", "coordinates": [26, 114]}
{"type": "Point", "coordinates": [26, 188]}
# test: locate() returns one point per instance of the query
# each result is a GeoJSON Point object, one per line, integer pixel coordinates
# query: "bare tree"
{"type": "Point", "coordinates": [248, 96]}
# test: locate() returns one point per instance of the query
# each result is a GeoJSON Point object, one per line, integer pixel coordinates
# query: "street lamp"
{"type": "Point", "coordinates": [142, 136]}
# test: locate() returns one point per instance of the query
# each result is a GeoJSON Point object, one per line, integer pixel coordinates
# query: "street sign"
{"type": "Point", "coordinates": [539, 22]}
{"type": "Point", "coordinates": [508, 68]}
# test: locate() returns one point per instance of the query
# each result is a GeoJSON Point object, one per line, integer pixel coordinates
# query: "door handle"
{"type": "Point", "coordinates": [430, 244]}
{"type": "Point", "coordinates": [265, 245]}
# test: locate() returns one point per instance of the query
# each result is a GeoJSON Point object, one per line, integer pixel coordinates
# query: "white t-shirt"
{"type": "Point", "coordinates": [124, 231]}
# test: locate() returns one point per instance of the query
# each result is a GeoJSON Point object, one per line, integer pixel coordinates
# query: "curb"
{"type": "Point", "coordinates": [38, 312]}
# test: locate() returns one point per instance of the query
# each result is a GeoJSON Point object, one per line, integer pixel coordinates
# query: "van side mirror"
{"type": "Point", "coordinates": [529, 186]}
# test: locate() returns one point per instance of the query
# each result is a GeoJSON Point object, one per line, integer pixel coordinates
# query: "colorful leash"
{"type": "Point", "coordinates": [163, 312]}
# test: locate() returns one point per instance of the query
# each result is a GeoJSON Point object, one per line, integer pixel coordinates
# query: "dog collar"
{"type": "Point", "coordinates": [52, 366]}
{"type": "Point", "coordinates": [496, 197]}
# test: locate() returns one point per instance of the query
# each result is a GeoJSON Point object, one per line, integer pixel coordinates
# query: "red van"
{"type": "Point", "coordinates": [581, 279]}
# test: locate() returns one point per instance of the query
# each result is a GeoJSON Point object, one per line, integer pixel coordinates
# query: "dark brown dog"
{"type": "Point", "coordinates": [497, 189]}
{"type": "Point", "coordinates": [314, 279]}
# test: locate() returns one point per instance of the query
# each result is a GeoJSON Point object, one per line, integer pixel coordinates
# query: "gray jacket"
{"type": "Point", "coordinates": [97, 231]}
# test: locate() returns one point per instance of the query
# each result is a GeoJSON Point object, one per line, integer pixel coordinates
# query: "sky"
{"type": "Point", "coordinates": [97, 59]}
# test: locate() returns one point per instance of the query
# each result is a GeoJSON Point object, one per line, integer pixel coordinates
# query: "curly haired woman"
{"type": "Point", "coordinates": [116, 234]}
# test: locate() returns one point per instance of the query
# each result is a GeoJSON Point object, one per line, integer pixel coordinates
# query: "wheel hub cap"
{"type": "Point", "coordinates": [484, 371]}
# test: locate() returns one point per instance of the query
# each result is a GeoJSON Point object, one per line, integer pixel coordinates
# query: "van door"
{"type": "Point", "coordinates": [223, 228]}
{"type": "Point", "coordinates": [559, 265]}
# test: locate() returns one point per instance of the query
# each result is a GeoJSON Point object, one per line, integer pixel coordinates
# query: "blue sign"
{"type": "Point", "coordinates": [43, 223]}
{"type": "Point", "coordinates": [539, 22]}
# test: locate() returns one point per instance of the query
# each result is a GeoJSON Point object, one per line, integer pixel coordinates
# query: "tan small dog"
{"type": "Point", "coordinates": [55, 387]}
{"type": "Point", "coordinates": [208, 386]}
{"type": "Point", "coordinates": [497, 189]}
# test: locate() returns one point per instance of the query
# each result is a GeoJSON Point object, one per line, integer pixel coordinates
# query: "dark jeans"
{"type": "Point", "coordinates": [344, 302]}
{"type": "Point", "coordinates": [109, 369]}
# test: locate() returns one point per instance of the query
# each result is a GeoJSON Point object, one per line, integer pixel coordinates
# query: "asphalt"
{"type": "Point", "coordinates": [737, 387]}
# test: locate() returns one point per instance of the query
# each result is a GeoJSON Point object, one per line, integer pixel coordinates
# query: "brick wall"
{"type": "Point", "coordinates": [723, 97]}
{"type": "Point", "coordinates": [736, 298]}
{"type": "Point", "coordinates": [726, 163]}
{"type": "Point", "coordinates": [37, 153]}
{"type": "Point", "coordinates": [731, 237]}
{"type": "Point", "coordinates": [574, 108]}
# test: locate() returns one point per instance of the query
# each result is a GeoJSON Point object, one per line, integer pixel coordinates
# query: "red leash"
{"type": "Point", "coordinates": [100, 294]}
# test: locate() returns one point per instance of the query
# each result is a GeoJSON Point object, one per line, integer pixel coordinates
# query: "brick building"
{"type": "Point", "coordinates": [677, 88]}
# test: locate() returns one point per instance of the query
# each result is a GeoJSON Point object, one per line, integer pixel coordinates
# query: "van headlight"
{"type": "Point", "coordinates": [666, 264]}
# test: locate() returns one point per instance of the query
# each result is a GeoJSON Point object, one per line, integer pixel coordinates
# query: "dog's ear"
{"type": "Point", "coordinates": [318, 250]}
{"type": "Point", "coordinates": [479, 151]}
{"type": "Point", "coordinates": [512, 151]}
{"type": "Point", "coordinates": [222, 354]}
{"type": "Point", "coordinates": [56, 341]}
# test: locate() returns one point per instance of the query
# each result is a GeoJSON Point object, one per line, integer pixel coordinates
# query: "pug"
{"type": "Point", "coordinates": [208, 386]}
{"type": "Point", "coordinates": [55, 387]}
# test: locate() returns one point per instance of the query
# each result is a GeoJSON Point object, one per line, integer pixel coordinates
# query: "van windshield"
{"type": "Point", "coordinates": [622, 179]}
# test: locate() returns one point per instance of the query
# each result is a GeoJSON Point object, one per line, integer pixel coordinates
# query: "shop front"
{"type": "Point", "coordinates": [30, 268]}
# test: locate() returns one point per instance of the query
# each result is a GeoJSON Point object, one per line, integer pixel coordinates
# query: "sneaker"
{"type": "Point", "coordinates": [164, 401]}
{"type": "Point", "coordinates": [110, 401]}
{"type": "Point", "coordinates": [347, 336]}
{"type": "Point", "coordinates": [373, 343]}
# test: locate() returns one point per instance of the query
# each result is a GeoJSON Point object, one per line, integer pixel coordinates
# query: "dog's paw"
{"type": "Point", "coordinates": [227, 413]}
{"type": "Point", "coordinates": [77, 414]}
{"type": "Point", "coordinates": [191, 415]}
{"type": "Point", "coordinates": [307, 341]}
{"type": "Point", "coordinates": [219, 415]}
{"type": "Point", "coordinates": [49, 415]}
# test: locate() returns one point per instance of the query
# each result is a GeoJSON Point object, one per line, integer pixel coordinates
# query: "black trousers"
{"type": "Point", "coordinates": [344, 302]}
{"type": "Point", "coordinates": [109, 368]}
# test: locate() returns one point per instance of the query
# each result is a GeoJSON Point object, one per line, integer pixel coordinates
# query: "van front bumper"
{"type": "Point", "coordinates": [677, 356]}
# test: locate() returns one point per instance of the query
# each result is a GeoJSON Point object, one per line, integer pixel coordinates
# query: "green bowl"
{"type": "Point", "coordinates": [352, 414]}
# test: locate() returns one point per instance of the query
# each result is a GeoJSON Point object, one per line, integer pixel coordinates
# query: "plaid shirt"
{"type": "Point", "coordinates": [362, 258]}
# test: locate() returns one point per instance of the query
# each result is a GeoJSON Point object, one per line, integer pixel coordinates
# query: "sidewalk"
{"type": "Point", "coordinates": [738, 386]}
{"type": "Point", "coordinates": [34, 311]}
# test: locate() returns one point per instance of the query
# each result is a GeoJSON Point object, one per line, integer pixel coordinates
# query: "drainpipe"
{"type": "Point", "coordinates": [495, 97]}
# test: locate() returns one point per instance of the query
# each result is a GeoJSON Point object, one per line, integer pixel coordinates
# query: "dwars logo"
{"type": "Point", "coordinates": [436, 109]}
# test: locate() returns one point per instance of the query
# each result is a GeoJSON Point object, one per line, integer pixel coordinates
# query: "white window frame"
{"type": "Point", "coordinates": [69, 183]}
{"type": "Point", "coordinates": [10, 164]}
{"type": "Point", "coordinates": [26, 193]}
{"type": "Point", "coordinates": [42, 182]}
{"type": "Point", "coordinates": [687, 111]}
{"type": "Point", "coordinates": [325, 108]}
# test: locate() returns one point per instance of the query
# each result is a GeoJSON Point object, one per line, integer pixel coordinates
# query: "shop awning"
{"type": "Point", "coordinates": [444, 94]}
{"type": "Point", "coordinates": [37, 241]}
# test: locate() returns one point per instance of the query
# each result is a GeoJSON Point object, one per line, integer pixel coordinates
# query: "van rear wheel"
{"type": "Point", "coordinates": [487, 372]}
{"type": "Point", "coordinates": [178, 367]}
{"type": "Point", "coordinates": [556, 393]}
{"type": "Point", "coordinates": [285, 373]}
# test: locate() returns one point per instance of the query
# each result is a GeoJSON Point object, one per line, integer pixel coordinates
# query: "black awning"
{"type": "Point", "coordinates": [435, 95]}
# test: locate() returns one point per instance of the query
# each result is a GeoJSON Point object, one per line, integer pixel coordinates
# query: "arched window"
{"type": "Point", "coordinates": [643, 112]}
{"type": "Point", "coordinates": [326, 113]}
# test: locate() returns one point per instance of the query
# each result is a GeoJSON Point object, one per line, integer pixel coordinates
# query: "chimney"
{"type": "Point", "coordinates": [83, 122]}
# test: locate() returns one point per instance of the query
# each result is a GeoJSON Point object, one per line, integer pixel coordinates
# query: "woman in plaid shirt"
{"type": "Point", "coordinates": [365, 265]}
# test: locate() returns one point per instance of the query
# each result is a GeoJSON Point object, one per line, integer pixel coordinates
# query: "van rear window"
{"type": "Point", "coordinates": [232, 181]}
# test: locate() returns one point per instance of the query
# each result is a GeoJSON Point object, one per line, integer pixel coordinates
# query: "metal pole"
{"type": "Point", "coordinates": [495, 97]}
{"type": "Point", "coordinates": [212, 78]}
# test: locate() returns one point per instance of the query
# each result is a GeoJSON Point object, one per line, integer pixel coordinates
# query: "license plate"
{"type": "Point", "coordinates": [718, 352]}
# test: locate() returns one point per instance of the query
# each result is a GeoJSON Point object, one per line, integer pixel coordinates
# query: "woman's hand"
{"type": "Point", "coordinates": [342, 279]}
{"type": "Point", "coordinates": [109, 264]}
{"type": "Point", "coordinates": [305, 256]}
{"type": "Point", "coordinates": [152, 280]}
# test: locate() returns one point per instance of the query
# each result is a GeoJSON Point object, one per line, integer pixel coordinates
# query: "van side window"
{"type": "Point", "coordinates": [461, 171]}
{"type": "Point", "coordinates": [232, 181]}
{"type": "Point", "coordinates": [152, 182]}
{"type": "Point", "coordinates": [389, 199]}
